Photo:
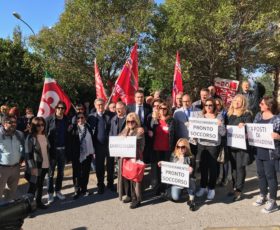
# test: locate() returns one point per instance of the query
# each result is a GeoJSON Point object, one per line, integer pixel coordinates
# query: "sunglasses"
{"type": "Point", "coordinates": [208, 105]}
{"type": "Point", "coordinates": [162, 108]}
{"type": "Point", "coordinates": [181, 147]}
{"type": "Point", "coordinates": [62, 108]}
{"type": "Point", "coordinates": [80, 118]}
{"type": "Point", "coordinates": [131, 122]}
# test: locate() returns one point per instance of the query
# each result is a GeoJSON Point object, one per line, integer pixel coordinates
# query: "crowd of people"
{"type": "Point", "coordinates": [162, 133]}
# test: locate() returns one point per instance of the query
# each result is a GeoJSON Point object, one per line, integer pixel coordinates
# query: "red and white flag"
{"type": "Point", "coordinates": [177, 80]}
{"type": "Point", "coordinates": [127, 82]}
{"type": "Point", "coordinates": [100, 90]}
{"type": "Point", "coordinates": [51, 95]}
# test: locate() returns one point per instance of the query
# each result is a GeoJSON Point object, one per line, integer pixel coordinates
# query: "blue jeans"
{"type": "Point", "coordinates": [175, 191]}
{"type": "Point", "coordinates": [59, 161]}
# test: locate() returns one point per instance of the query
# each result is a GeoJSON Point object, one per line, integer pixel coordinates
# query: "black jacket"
{"type": "Point", "coordinates": [93, 123]}
{"type": "Point", "coordinates": [51, 134]}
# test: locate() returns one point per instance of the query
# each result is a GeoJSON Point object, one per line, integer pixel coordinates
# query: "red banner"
{"type": "Point", "coordinates": [100, 90]}
{"type": "Point", "coordinates": [177, 80]}
{"type": "Point", "coordinates": [127, 82]}
{"type": "Point", "coordinates": [51, 95]}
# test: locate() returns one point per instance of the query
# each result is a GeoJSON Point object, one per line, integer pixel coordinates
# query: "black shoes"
{"type": "Point", "coordinates": [100, 190]}
{"type": "Point", "coordinates": [41, 206]}
{"type": "Point", "coordinates": [192, 205]}
{"type": "Point", "coordinates": [127, 200]}
{"type": "Point", "coordinates": [112, 187]}
{"type": "Point", "coordinates": [237, 196]}
{"type": "Point", "coordinates": [135, 204]}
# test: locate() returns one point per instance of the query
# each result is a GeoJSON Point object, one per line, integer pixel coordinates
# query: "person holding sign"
{"type": "Point", "coordinates": [182, 155]}
{"type": "Point", "coordinates": [133, 128]}
{"type": "Point", "coordinates": [239, 115]}
{"type": "Point", "coordinates": [208, 151]}
{"type": "Point", "coordinates": [267, 159]}
{"type": "Point", "coordinates": [163, 126]}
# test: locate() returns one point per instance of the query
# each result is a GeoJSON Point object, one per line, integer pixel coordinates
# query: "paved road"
{"type": "Point", "coordinates": [107, 212]}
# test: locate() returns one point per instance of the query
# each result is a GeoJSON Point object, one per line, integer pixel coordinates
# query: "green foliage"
{"type": "Point", "coordinates": [267, 81]}
{"type": "Point", "coordinates": [103, 29]}
{"type": "Point", "coordinates": [20, 71]}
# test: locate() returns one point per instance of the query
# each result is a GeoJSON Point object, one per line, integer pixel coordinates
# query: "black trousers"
{"type": "Point", "coordinates": [267, 178]}
{"type": "Point", "coordinates": [238, 169]}
{"type": "Point", "coordinates": [157, 157]}
{"type": "Point", "coordinates": [208, 165]}
{"type": "Point", "coordinates": [38, 186]}
{"type": "Point", "coordinates": [81, 172]}
{"type": "Point", "coordinates": [102, 153]}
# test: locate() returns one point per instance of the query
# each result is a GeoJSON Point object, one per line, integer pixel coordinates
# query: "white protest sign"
{"type": "Point", "coordinates": [120, 146]}
{"type": "Point", "coordinates": [175, 174]}
{"type": "Point", "coordinates": [203, 128]}
{"type": "Point", "coordinates": [259, 135]}
{"type": "Point", "coordinates": [236, 137]}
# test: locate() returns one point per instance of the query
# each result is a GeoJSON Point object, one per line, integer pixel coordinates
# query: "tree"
{"type": "Point", "coordinates": [20, 73]}
{"type": "Point", "coordinates": [103, 29]}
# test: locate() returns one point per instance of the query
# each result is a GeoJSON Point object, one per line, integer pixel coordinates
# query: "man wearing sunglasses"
{"type": "Point", "coordinates": [11, 154]}
{"type": "Point", "coordinates": [56, 129]}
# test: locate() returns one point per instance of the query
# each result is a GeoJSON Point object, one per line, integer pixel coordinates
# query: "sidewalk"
{"type": "Point", "coordinates": [107, 212]}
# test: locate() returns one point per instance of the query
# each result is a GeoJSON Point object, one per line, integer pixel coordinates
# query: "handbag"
{"type": "Point", "coordinates": [133, 170]}
{"type": "Point", "coordinates": [221, 156]}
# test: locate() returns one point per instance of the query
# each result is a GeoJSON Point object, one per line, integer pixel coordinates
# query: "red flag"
{"type": "Point", "coordinates": [127, 82]}
{"type": "Point", "coordinates": [177, 80]}
{"type": "Point", "coordinates": [100, 91]}
{"type": "Point", "coordinates": [51, 95]}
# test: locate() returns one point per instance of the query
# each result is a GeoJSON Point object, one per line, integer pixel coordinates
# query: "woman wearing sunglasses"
{"type": "Point", "coordinates": [208, 151]}
{"type": "Point", "coordinates": [133, 128]}
{"type": "Point", "coordinates": [239, 115]}
{"type": "Point", "coordinates": [37, 159]}
{"type": "Point", "coordinates": [267, 160]}
{"type": "Point", "coordinates": [182, 155]}
{"type": "Point", "coordinates": [82, 151]}
{"type": "Point", "coordinates": [163, 126]}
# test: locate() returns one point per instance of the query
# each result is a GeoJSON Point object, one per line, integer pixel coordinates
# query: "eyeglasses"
{"type": "Point", "coordinates": [208, 105]}
{"type": "Point", "coordinates": [80, 118]}
{"type": "Point", "coordinates": [62, 108]}
{"type": "Point", "coordinates": [10, 122]}
{"type": "Point", "coordinates": [163, 108]}
{"type": "Point", "coordinates": [40, 125]}
{"type": "Point", "coordinates": [181, 147]}
{"type": "Point", "coordinates": [131, 122]}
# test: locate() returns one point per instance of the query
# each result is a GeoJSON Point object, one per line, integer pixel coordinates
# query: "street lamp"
{"type": "Point", "coordinates": [17, 15]}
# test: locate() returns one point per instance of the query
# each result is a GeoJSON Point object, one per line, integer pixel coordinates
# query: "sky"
{"type": "Point", "coordinates": [37, 13]}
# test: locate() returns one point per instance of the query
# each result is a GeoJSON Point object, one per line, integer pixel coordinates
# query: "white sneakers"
{"type": "Point", "coordinates": [50, 198]}
{"type": "Point", "coordinates": [58, 194]}
{"type": "Point", "coordinates": [211, 194]}
{"type": "Point", "coordinates": [203, 191]}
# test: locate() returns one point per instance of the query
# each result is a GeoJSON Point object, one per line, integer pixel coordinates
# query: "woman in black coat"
{"type": "Point", "coordinates": [81, 154]}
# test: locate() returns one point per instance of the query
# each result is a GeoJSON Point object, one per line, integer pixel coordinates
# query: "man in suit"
{"type": "Point", "coordinates": [182, 116]}
{"type": "Point", "coordinates": [100, 122]}
{"type": "Point", "coordinates": [118, 121]}
{"type": "Point", "coordinates": [142, 110]}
